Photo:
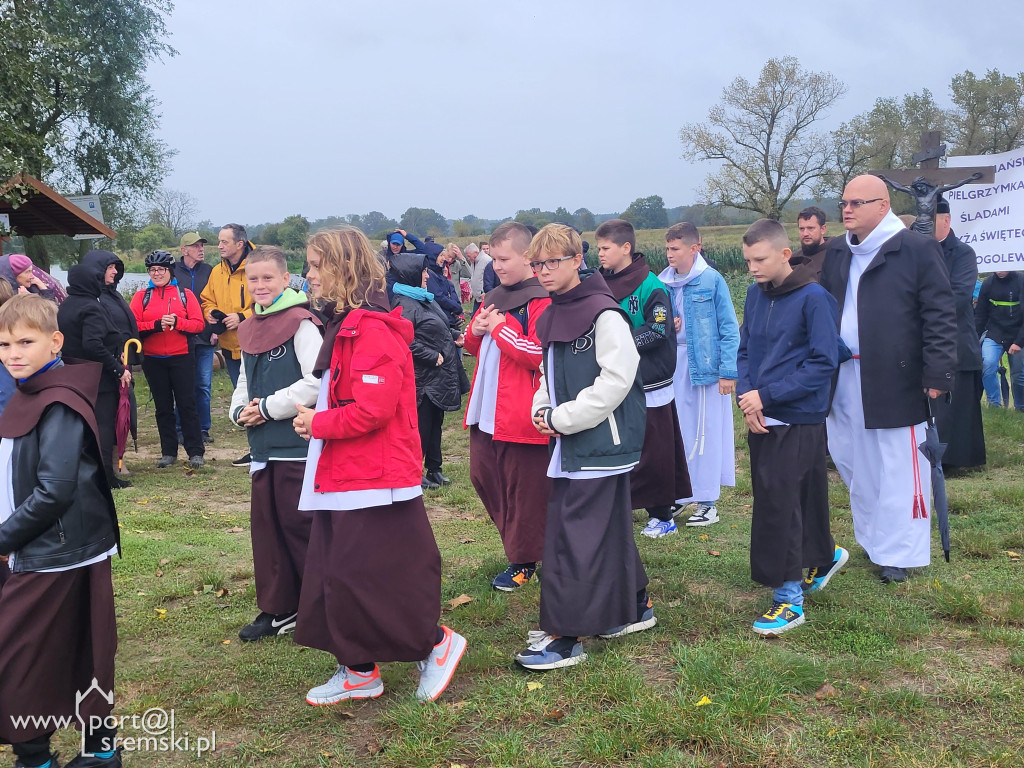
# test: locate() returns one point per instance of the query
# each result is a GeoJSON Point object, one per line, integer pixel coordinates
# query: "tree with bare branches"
{"type": "Point", "coordinates": [763, 135]}
{"type": "Point", "coordinates": [174, 209]}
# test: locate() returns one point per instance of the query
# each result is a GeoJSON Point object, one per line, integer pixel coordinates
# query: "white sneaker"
{"type": "Point", "coordinates": [437, 669]}
{"type": "Point", "coordinates": [706, 514]}
{"type": "Point", "coordinates": [657, 528]}
{"type": "Point", "coordinates": [347, 684]}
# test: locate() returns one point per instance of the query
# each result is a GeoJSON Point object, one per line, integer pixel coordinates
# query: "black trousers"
{"type": "Point", "coordinates": [431, 419]}
{"type": "Point", "coordinates": [172, 382]}
{"type": "Point", "coordinates": [790, 528]}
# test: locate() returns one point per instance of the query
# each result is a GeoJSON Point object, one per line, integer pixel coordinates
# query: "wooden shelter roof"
{"type": "Point", "coordinates": [46, 212]}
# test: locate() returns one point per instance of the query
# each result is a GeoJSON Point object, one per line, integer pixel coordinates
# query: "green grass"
{"type": "Point", "coordinates": [929, 673]}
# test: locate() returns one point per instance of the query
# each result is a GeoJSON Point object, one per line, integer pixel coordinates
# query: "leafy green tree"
{"type": "Point", "coordinates": [293, 232]}
{"type": "Point", "coordinates": [988, 112]}
{"type": "Point", "coordinates": [154, 237]}
{"type": "Point", "coordinates": [563, 216]}
{"type": "Point", "coordinates": [534, 217]}
{"type": "Point", "coordinates": [584, 219]}
{"type": "Point", "coordinates": [375, 222]}
{"type": "Point", "coordinates": [647, 213]}
{"type": "Point", "coordinates": [763, 135]}
{"type": "Point", "coordinates": [270, 235]}
{"type": "Point", "coordinates": [424, 221]}
{"type": "Point", "coordinates": [76, 110]}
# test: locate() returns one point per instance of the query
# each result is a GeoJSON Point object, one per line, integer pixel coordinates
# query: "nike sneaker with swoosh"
{"type": "Point", "coordinates": [268, 625]}
{"type": "Point", "coordinates": [437, 669]}
{"type": "Point", "coordinates": [346, 683]}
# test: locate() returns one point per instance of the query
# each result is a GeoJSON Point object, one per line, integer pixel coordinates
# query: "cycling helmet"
{"type": "Point", "coordinates": [159, 259]}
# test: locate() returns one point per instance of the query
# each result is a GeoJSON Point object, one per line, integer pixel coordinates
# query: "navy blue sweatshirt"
{"type": "Point", "coordinates": [789, 349]}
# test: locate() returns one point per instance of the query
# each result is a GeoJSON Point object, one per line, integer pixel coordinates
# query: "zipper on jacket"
{"type": "Point", "coordinates": [60, 531]}
{"type": "Point", "coordinates": [615, 430]}
{"type": "Point", "coordinates": [768, 322]}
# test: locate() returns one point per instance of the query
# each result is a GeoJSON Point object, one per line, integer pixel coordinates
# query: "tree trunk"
{"type": "Point", "coordinates": [35, 249]}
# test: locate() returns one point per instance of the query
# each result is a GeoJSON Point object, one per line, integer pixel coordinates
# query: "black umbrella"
{"type": "Point", "coordinates": [933, 450]}
{"type": "Point", "coordinates": [1004, 386]}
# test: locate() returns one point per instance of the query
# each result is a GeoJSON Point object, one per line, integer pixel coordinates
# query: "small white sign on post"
{"type": "Point", "coordinates": [5, 224]}
{"type": "Point", "coordinates": [91, 205]}
{"type": "Point", "coordinates": [990, 217]}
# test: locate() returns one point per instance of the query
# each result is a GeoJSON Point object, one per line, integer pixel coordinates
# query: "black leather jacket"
{"type": "Point", "coordinates": [64, 512]}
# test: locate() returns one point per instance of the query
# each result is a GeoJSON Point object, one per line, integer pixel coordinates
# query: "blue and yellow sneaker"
{"type": "Point", "coordinates": [513, 578]}
{"type": "Point", "coordinates": [817, 578]}
{"type": "Point", "coordinates": [781, 617]}
{"type": "Point", "coordinates": [550, 652]}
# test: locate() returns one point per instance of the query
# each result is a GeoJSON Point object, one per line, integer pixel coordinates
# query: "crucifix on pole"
{"type": "Point", "coordinates": [928, 182]}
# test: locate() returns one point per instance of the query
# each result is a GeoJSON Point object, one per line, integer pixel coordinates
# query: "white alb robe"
{"type": "Point", "coordinates": [888, 478]}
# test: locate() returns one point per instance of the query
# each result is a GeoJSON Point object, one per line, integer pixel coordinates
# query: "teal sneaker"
{"type": "Point", "coordinates": [781, 617]}
{"type": "Point", "coordinates": [817, 578]}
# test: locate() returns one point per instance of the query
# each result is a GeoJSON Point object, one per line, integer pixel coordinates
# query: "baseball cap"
{"type": "Point", "coordinates": [396, 237]}
{"type": "Point", "coordinates": [191, 238]}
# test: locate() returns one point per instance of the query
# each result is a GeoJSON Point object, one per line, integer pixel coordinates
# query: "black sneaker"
{"type": "Point", "coordinates": [242, 461]}
{"type": "Point", "coordinates": [92, 761]}
{"type": "Point", "coordinates": [435, 476]}
{"type": "Point", "coordinates": [117, 482]}
{"type": "Point", "coordinates": [427, 484]}
{"type": "Point", "coordinates": [513, 577]}
{"type": "Point", "coordinates": [206, 437]}
{"type": "Point", "coordinates": [892, 575]}
{"type": "Point", "coordinates": [268, 625]}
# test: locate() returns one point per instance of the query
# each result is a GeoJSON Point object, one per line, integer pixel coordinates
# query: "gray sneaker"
{"type": "Point", "coordinates": [196, 462]}
{"type": "Point", "coordinates": [437, 669]}
{"type": "Point", "coordinates": [706, 514]}
{"type": "Point", "coordinates": [166, 461]}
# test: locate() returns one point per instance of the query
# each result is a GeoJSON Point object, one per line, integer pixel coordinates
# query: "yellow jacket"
{"type": "Point", "coordinates": [226, 290]}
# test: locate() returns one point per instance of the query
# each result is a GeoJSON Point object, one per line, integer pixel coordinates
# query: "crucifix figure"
{"type": "Point", "coordinates": [926, 184]}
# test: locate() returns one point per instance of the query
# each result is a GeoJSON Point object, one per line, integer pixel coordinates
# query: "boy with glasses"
{"type": "Point", "coordinates": [590, 402]}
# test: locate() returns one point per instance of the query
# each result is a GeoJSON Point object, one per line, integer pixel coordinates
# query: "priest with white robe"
{"type": "Point", "coordinates": [897, 319]}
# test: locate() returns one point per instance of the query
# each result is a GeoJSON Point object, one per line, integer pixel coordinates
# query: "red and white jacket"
{"type": "Point", "coordinates": [502, 394]}
{"type": "Point", "coordinates": [166, 300]}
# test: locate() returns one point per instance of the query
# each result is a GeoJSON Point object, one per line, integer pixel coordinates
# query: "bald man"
{"type": "Point", "coordinates": [898, 320]}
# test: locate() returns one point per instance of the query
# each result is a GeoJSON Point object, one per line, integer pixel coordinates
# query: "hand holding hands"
{"type": "Point", "coordinates": [303, 423]}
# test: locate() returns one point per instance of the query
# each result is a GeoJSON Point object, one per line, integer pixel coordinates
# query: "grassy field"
{"type": "Point", "coordinates": [929, 673]}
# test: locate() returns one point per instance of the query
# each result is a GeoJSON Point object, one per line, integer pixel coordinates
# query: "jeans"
{"type": "Point", "coordinates": [991, 353]}
{"type": "Point", "coordinates": [790, 592]}
{"type": "Point", "coordinates": [234, 366]}
{"type": "Point", "coordinates": [204, 379]}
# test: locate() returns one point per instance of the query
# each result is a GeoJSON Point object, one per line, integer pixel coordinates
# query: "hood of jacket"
{"type": "Point", "coordinates": [7, 273]}
{"type": "Point", "coordinates": [571, 314]}
{"type": "Point", "coordinates": [104, 259]}
{"type": "Point", "coordinates": [407, 268]}
{"type": "Point", "coordinates": [628, 279]}
{"type": "Point", "coordinates": [86, 280]}
{"type": "Point", "coordinates": [798, 278]}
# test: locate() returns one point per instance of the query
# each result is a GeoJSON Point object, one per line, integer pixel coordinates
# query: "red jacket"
{"type": "Point", "coordinates": [370, 430]}
{"type": "Point", "coordinates": [518, 375]}
{"type": "Point", "coordinates": [167, 301]}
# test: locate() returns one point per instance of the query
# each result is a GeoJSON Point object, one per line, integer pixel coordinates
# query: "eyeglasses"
{"type": "Point", "coordinates": [551, 264]}
{"type": "Point", "coordinates": [855, 204]}
{"type": "Point", "coordinates": [156, 269]}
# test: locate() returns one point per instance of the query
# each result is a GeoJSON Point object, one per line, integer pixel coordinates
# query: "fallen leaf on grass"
{"type": "Point", "coordinates": [207, 588]}
{"type": "Point", "coordinates": [159, 574]}
{"type": "Point", "coordinates": [374, 747]}
{"type": "Point", "coordinates": [343, 715]}
{"type": "Point", "coordinates": [714, 553]}
{"type": "Point", "coordinates": [235, 529]}
{"type": "Point", "coordinates": [704, 701]}
{"type": "Point", "coordinates": [734, 527]}
{"type": "Point", "coordinates": [141, 594]}
{"type": "Point", "coordinates": [827, 691]}
{"type": "Point", "coordinates": [164, 561]}
{"type": "Point", "coordinates": [222, 605]}
{"type": "Point", "coordinates": [466, 541]}
{"type": "Point", "coordinates": [161, 613]}
{"type": "Point", "coordinates": [534, 686]}
{"type": "Point", "coordinates": [703, 537]}
{"type": "Point", "coordinates": [555, 714]}
{"type": "Point", "coordinates": [467, 517]}
{"type": "Point", "coordinates": [222, 592]}
{"type": "Point", "coordinates": [460, 600]}
{"type": "Point", "coordinates": [225, 642]}
{"type": "Point", "coordinates": [1012, 555]}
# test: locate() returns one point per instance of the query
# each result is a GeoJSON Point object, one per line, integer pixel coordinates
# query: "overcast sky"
{"type": "Point", "coordinates": [484, 107]}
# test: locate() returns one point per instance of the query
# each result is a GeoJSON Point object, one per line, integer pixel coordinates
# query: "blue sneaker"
{"type": "Point", "coordinates": [549, 652]}
{"type": "Point", "coordinates": [781, 617]}
{"type": "Point", "coordinates": [646, 620]}
{"type": "Point", "coordinates": [513, 578]}
{"type": "Point", "coordinates": [817, 578]}
{"type": "Point", "coordinates": [657, 528]}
